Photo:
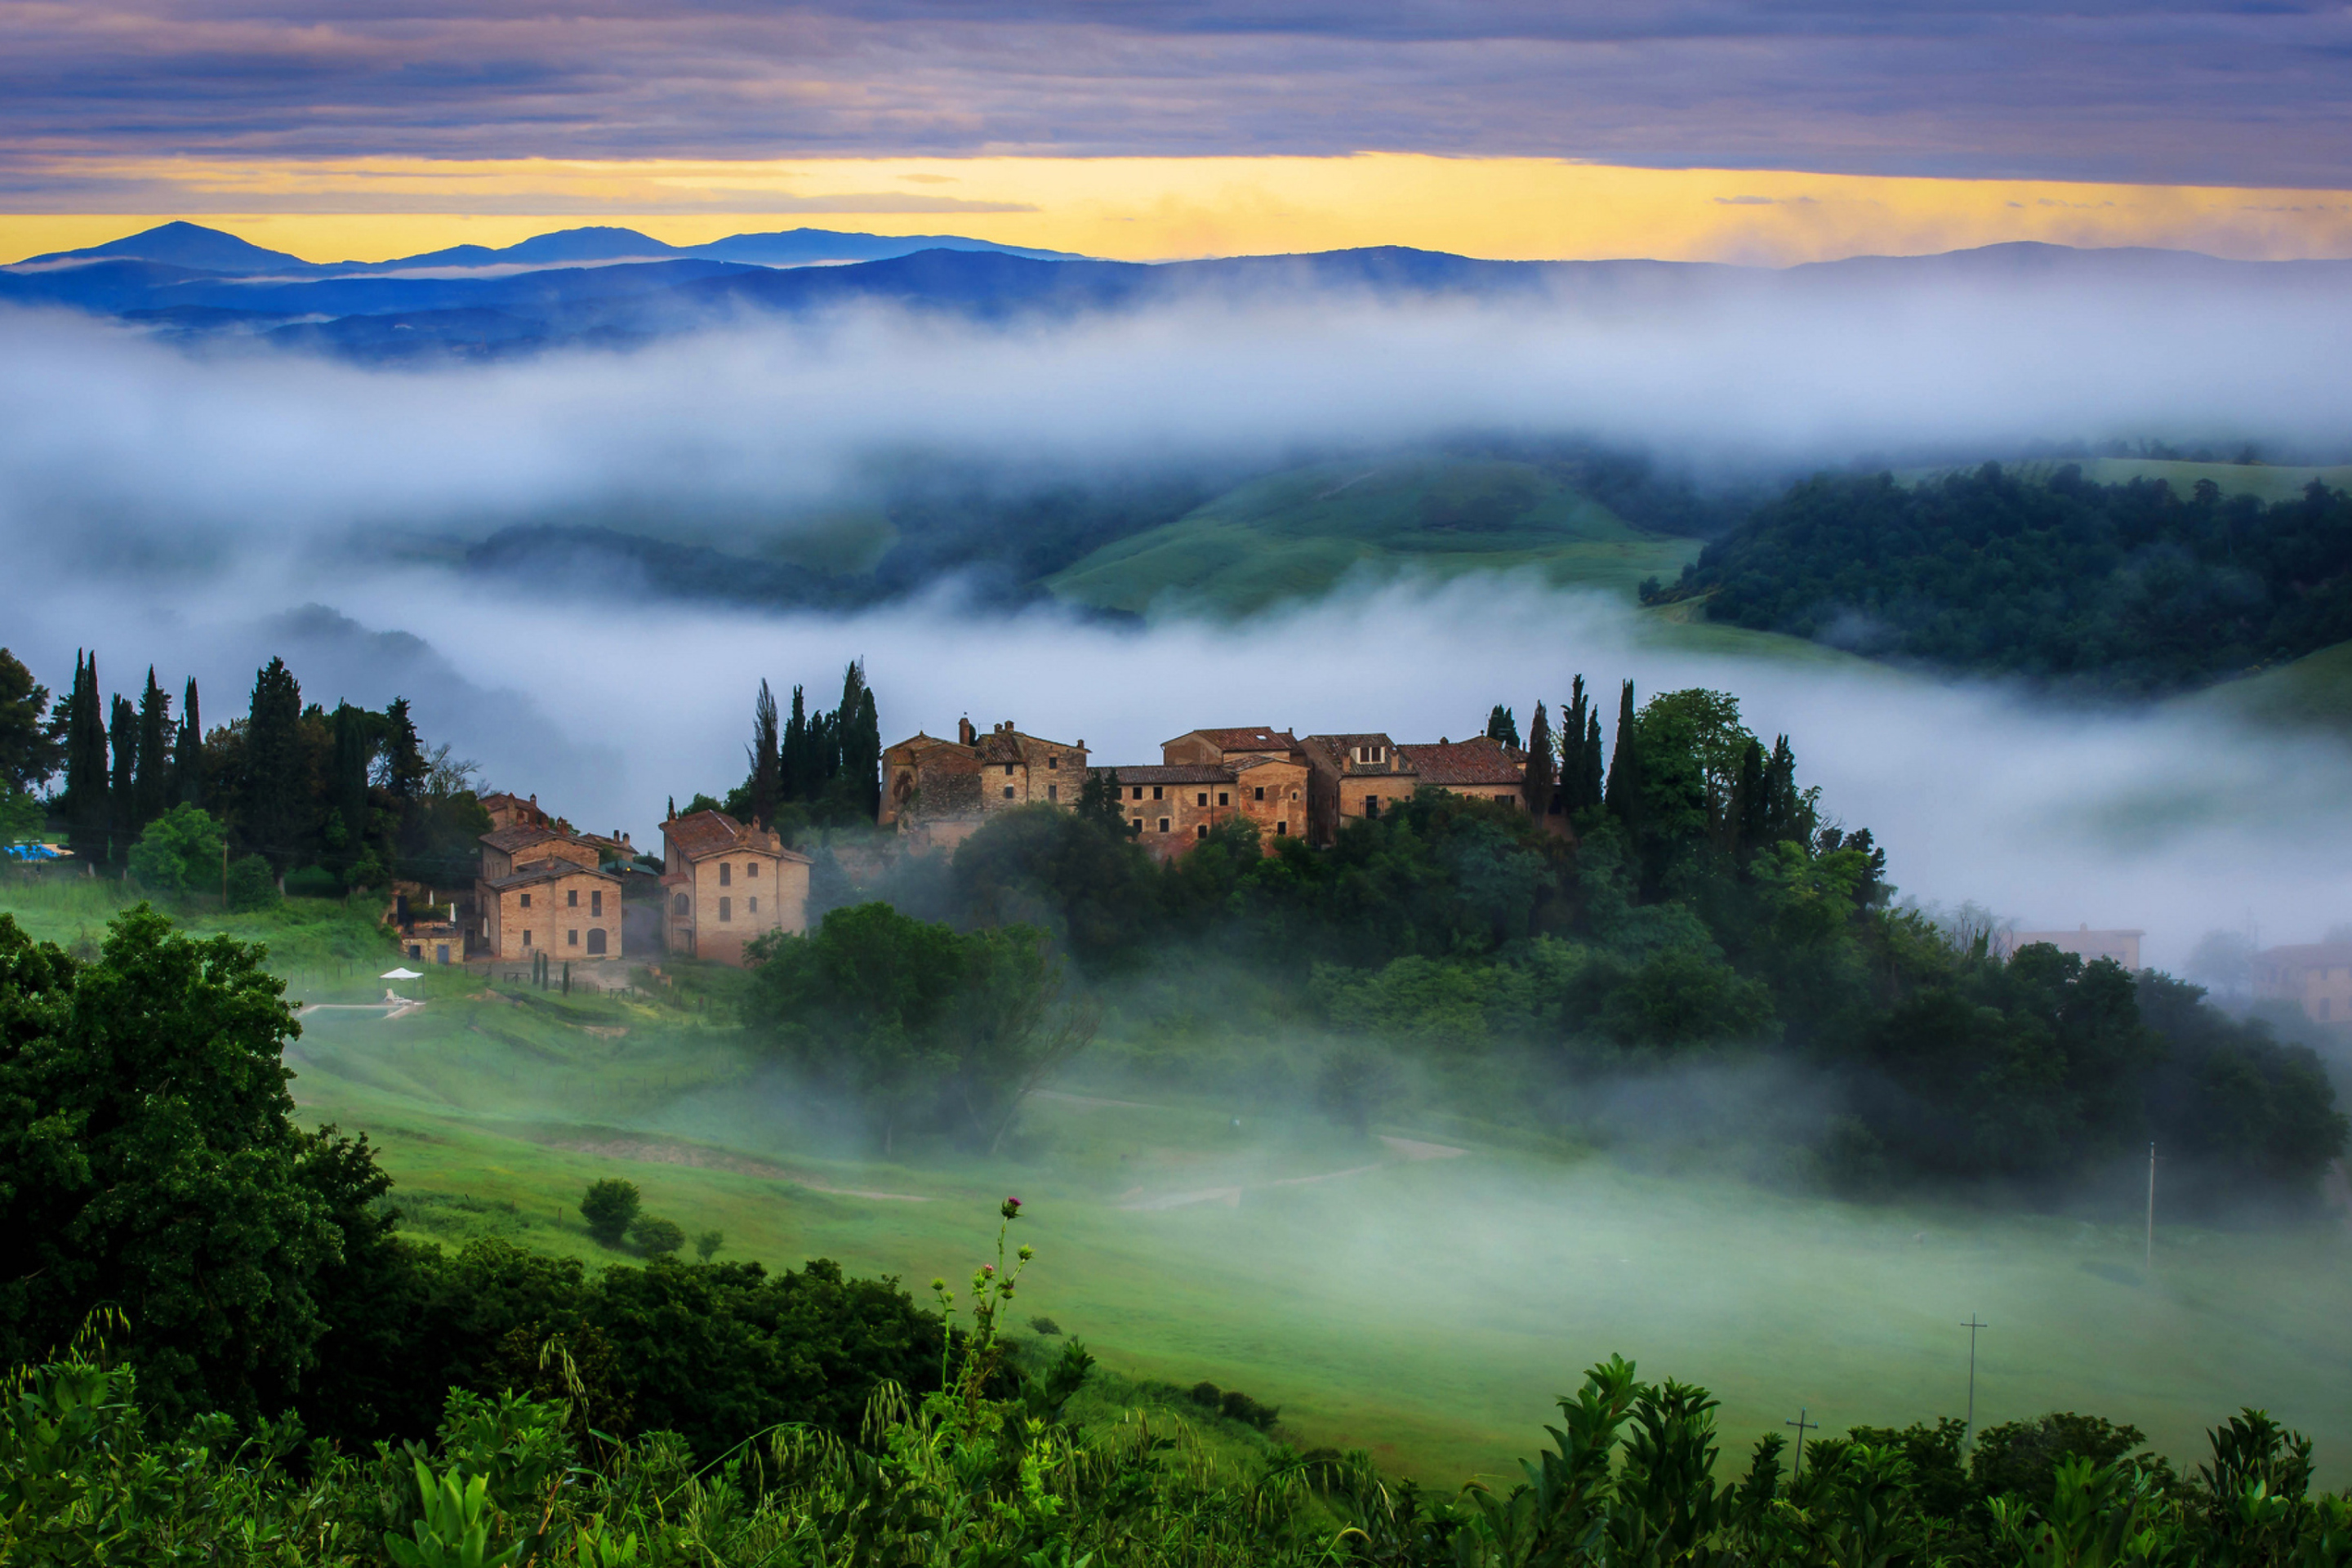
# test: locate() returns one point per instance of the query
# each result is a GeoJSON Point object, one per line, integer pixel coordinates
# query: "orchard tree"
{"type": "Point", "coordinates": [610, 1207]}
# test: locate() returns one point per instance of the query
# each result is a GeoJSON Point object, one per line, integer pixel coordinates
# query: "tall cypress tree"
{"type": "Point", "coordinates": [795, 766]}
{"type": "Point", "coordinates": [767, 757]}
{"type": "Point", "coordinates": [1501, 725]}
{"type": "Point", "coordinates": [273, 792]}
{"type": "Point", "coordinates": [1751, 805]}
{"type": "Point", "coordinates": [1591, 786]}
{"type": "Point", "coordinates": [154, 752]}
{"type": "Point", "coordinates": [188, 757]}
{"type": "Point", "coordinates": [1622, 795]}
{"type": "Point", "coordinates": [354, 731]}
{"type": "Point", "coordinates": [122, 784]}
{"type": "Point", "coordinates": [1543, 799]}
{"type": "Point", "coordinates": [858, 741]}
{"type": "Point", "coordinates": [869, 771]}
{"type": "Point", "coordinates": [84, 724]}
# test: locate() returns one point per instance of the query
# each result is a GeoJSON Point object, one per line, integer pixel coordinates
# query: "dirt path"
{"type": "Point", "coordinates": [1404, 1152]}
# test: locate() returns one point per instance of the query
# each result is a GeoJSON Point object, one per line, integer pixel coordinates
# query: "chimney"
{"type": "Point", "coordinates": [964, 731]}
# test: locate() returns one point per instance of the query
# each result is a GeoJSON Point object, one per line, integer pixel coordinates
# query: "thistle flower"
{"type": "Point", "coordinates": [1010, 1208]}
{"type": "Point", "coordinates": [1028, 1253]}
{"type": "Point", "coordinates": [988, 1268]}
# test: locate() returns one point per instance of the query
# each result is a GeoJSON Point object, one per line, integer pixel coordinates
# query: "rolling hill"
{"type": "Point", "coordinates": [1301, 532]}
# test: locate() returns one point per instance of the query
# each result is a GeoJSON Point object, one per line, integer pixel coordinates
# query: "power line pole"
{"type": "Point", "coordinates": [1972, 1326]}
{"type": "Point", "coordinates": [2151, 1208]}
{"type": "Point", "coordinates": [1802, 1427]}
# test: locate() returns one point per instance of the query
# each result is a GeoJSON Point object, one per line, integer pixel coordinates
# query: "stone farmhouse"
{"type": "Point", "coordinates": [726, 884]}
{"type": "Point", "coordinates": [2315, 975]}
{"type": "Point", "coordinates": [939, 792]}
{"type": "Point", "coordinates": [541, 890]}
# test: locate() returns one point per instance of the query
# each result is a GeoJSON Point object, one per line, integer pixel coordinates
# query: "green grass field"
{"type": "Point", "coordinates": [2312, 692]}
{"type": "Point", "coordinates": [1298, 534]}
{"type": "Point", "coordinates": [1387, 1292]}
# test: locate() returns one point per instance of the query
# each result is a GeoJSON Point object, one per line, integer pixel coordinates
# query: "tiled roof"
{"type": "Point", "coordinates": [701, 834]}
{"type": "Point", "coordinates": [1243, 764]}
{"type": "Point", "coordinates": [547, 872]}
{"type": "Point", "coordinates": [918, 742]}
{"type": "Point", "coordinates": [522, 835]}
{"type": "Point", "coordinates": [1455, 763]}
{"type": "Point", "coordinates": [1246, 738]}
{"type": "Point", "coordinates": [497, 798]}
{"type": "Point", "coordinates": [1180, 774]}
{"type": "Point", "coordinates": [1338, 751]}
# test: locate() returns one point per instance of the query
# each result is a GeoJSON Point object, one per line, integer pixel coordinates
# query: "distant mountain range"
{"type": "Point", "coordinates": [615, 287]}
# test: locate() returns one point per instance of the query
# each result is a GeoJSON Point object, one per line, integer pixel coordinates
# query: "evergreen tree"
{"type": "Point", "coordinates": [1786, 813]}
{"type": "Point", "coordinates": [859, 746]}
{"type": "Point", "coordinates": [1751, 805]}
{"type": "Point", "coordinates": [1622, 795]}
{"type": "Point", "coordinates": [868, 769]}
{"type": "Point", "coordinates": [1543, 798]}
{"type": "Point", "coordinates": [1502, 726]}
{"type": "Point", "coordinates": [29, 748]}
{"type": "Point", "coordinates": [405, 769]}
{"type": "Point", "coordinates": [83, 722]}
{"type": "Point", "coordinates": [797, 767]}
{"type": "Point", "coordinates": [123, 785]}
{"type": "Point", "coordinates": [274, 793]}
{"type": "Point", "coordinates": [766, 757]}
{"type": "Point", "coordinates": [154, 786]}
{"type": "Point", "coordinates": [1098, 802]}
{"type": "Point", "coordinates": [347, 790]}
{"type": "Point", "coordinates": [188, 764]}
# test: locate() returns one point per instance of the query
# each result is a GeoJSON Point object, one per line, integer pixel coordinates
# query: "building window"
{"type": "Point", "coordinates": [1135, 826]}
{"type": "Point", "coordinates": [572, 937]}
{"type": "Point", "coordinates": [416, 949]}
{"type": "Point", "coordinates": [1053, 792]}
{"type": "Point", "coordinates": [751, 868]}
{"type": "Point", "coordinates": [1203, 798]}
{"type": "Point", "coordinates": [1163, 824]}
{"type": "Point", "coordinates": [1224, 799]}
{"type": "Point", "coordinates": [1202, 831]}
{"type": "Point", "coordinates": [1008, 770]}
{"type": "Point", "coordinates": [1008, 791]}
{"type": "Point", "coordinates": [1261, 792]}
{"type": "Point", "coordinates": [596, 901]}
{"type": "Point", "coordinates": [752, 903]}
{"type": "Point", "coordinates": [1155, 792]}
{"type": "Point", "coordinates": [526, 939]}
{"type": "Point", "coordinates": [1282, 830]}
{"type": "Point", "coordinates": [1139, 791]}
{"type": "Point", "coordinates": [1372, 806]}
{"type": "Point", "coordinates": [726, 875]}
{"type": "Point", "coordinates": [1052, 761]}
{"type": "Point", "coordinates": [570, 898]}
{"type": "Point", "coordinates": [678, 904]}
{"type": "Point", "coordinates": [726, 908]}
{"type": "Point", "coordinates": [526, 901]}
{"type": "Point", "coordinates": [1294, 794]}
{"type": "Point", "coordinates": [596, 948]}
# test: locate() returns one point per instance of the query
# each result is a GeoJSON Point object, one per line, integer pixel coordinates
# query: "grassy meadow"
{"type": "Point", "coordinates": [1420, 1292]}
{"type": "Point", "coordinates": [1296, 534]}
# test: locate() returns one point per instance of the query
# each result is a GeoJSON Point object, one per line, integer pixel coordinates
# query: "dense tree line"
{"type": "Point", "coordinates": [813, 768]}
{"type": "Point", "coordinates": [351, 797]}
{"type": "Point", "coordinates": [2129, 587]}
{"type": "Point", "coordinates": [1702, 907]}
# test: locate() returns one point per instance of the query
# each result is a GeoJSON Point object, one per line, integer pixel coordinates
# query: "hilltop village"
{"type": "Point", "coordinates": [546, 892]}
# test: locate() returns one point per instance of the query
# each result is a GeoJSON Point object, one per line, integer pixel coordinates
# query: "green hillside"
{"type": "Point", "coordinates": [1298, 534]}
{"type": "Point", "coordinates": [2263, 481]}
{"type": "Point", "coordinates": [2314, 691]}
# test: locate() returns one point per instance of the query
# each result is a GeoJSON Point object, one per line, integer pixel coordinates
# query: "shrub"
{"type": "Point", "coordinates": [1045, 1326]}
{"type": "Point", "coordinates": [609, 1207]}
{"type": "Point", "coordinates": [709, 1242]}
{"type": "Point", "coordinates": [313, 883]}
{"type": "Point", "coordinates": [251, 887]}
{"type": "Point", "coordinates": [657, 1237]}
{"type": "Point", "coordinates": [179, 852]}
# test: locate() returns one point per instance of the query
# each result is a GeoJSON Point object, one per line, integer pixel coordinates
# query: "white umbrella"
{"type": "Point", "coordinates": [399, 974]}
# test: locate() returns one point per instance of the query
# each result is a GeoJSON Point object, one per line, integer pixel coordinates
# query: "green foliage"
{"type": "Point", "coordinates": [2126, 587]}
{"type": "Point", "coordinates": [29, 749]}
{"type": "Point", "coordinates": [252, 886]}
{"type": "Point", "coordinates": [707, 1244]}
{"type": "Point", "coordinates": [22, 816]}
{"type": "Point", "coordinates": [657, 1238]}
{"type": "Point", "coordinates": [179, 853]}
{"type": "Point", "coordinates": [610, 1207]}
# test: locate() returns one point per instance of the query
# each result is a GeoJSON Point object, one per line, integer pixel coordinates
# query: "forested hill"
{"type": "Point", "coordinates": [2124, 588]}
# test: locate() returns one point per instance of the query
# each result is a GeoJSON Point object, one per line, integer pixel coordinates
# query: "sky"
{"type": "Point", "coordinates": [1731, 129]}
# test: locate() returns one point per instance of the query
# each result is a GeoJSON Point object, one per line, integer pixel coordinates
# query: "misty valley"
{"type": "Point", "coordinates": [812, 901]}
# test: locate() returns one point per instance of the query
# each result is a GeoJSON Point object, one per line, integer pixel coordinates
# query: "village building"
{"type": "Point", "coordinates": [728, 885]}
{"type": "Point", "coordinates": [507, 850]}
{"type": "Point", "coordinates": [2084, 943]}
{"type": "Point", "coordinates": [1352, 778]}
{"type": "Point", "coordinates": [557, 908]}
{"type": "Point", "coordinates": [513, 810]}
{"type": "Point", "coordinates": [1267, 771]}
{"type": "Point", "coordinates": [433, 941]}
{"type": "Point", "coordinates": [1170, 809]}
{"type": "Point", "coordinates": [2315, 976]}
{"type": "Point", "coordinates": [940, 791]}
{"type": "Point", "coordinates": [1482, 769]}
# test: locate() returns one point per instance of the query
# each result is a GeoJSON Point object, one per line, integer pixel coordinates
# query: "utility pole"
{"type": "Point", "coordinates": [2151, 1208]}
{"type": "Point", "coordinates": [1802, 1427]}
{"type": "Point", "coordinates": [1972, 1326]}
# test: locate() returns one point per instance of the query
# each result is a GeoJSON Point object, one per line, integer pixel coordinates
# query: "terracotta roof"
{"type": "Point", "coordinates": [496, 796]}
{"type": "Point", "coordinates": [920, 743]}
{"type": "Point", "coordinates": [522, 835]}
{"type": "Point", "coordinates": [1180, 774]}
{"type": "Point", "coordinates": [1338, 751]}
{"type": "Point", "coordinates": [547, 872]}
{"type": "Point", "coordinates": [702, 834]}
{"type": "Point", "coordinates": [1247, 737]}
{"type": "Point", "coordinates": [1243, 763]}
{"type": "Point", "coordinates": [1455, 763]}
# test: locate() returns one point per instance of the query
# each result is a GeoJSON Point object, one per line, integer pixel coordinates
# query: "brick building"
{"type": "Point", "coordinates": [568, 911]}
{"type": "Point", "coordinates": [726, 884]}
{"type": "Point", "coordinates": [513, 810]}
{"type": "Point", "coordinates": [2315, 976]}
{"type": "Point", "coordinates": [940, 791]}
{"type": "Point", "coordinates": [1352, 777]}
{"type": "Point", "coordinates": [1483, 769]}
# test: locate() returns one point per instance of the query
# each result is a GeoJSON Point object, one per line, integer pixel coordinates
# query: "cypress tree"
{"type": "Point", "coordinates": [1543, 799]}
{"type": "Point", "coordinates": [406, 772]}
{"type": "Point", "coordinates": [859, 742]}
{"type": "Point", "coordinates": [1786, 814]}
{"type": "Point", "coordinates": [155, 789]}
{"type": "Point", "coordinates": [797, 767]}
{"type": "Point", "coordinates": [766, 757]}
{"type": "Point", "coordinates": [188, 755]}
{"type": "Point", "coordinates": [272, 793]}
{"type": "Point", "coordinates": [1591, 788]}
{"type": "Point", "coordinates": [123, 785]}
{"type": "Point", "coordinates": [1502, 726]}
{"type": "Point", "coordinates": [347, 792]}
{"type": "Point", "coordinates": [1750, 805]}
{"type": "Point", "coordinates": [83, 721]}
{"type": "Point", "coordinates": [1622, 795]}
{"type": "Point", "coordinates": [869, 765]}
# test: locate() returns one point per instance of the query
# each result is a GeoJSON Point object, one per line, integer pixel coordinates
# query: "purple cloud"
{"type": "Point", "coordinates": [2239, 94]}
